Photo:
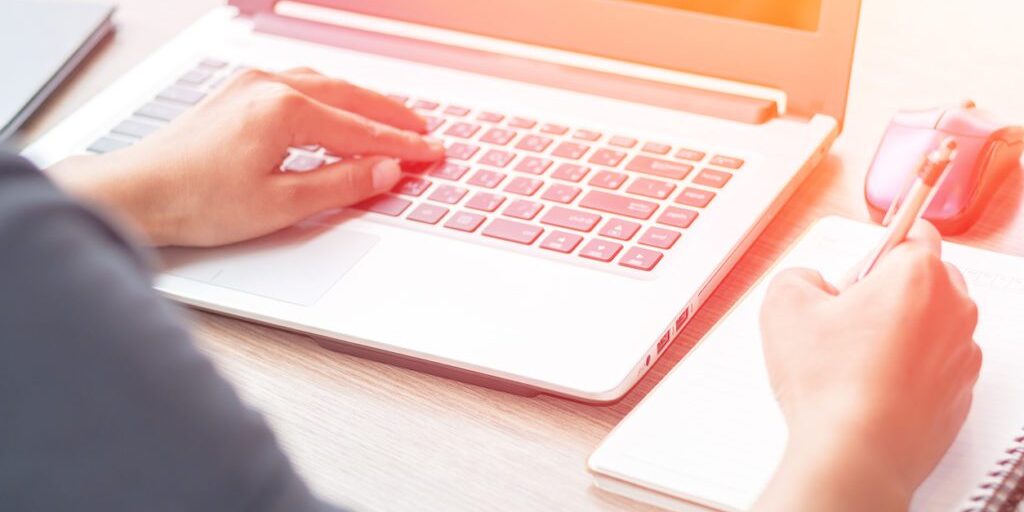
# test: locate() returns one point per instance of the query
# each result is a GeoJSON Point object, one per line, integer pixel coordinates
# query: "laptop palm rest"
{"type": "Point", "coordinates": [297, 265]}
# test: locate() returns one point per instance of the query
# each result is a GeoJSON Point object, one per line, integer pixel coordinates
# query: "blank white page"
{"type": "Point", "coordinates": [712, 433]}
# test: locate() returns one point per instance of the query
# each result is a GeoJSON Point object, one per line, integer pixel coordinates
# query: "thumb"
{"type": "Point", "coordinates": [340, 184]}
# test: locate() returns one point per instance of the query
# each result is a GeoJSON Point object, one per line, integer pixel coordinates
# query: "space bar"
{"type": "Point", "coordinates": [619, 205]}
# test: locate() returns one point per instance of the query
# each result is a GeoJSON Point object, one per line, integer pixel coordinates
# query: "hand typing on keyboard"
{"type": "Point", "coordinates": [213, 175]}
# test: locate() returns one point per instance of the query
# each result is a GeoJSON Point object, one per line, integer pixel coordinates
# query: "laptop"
{"type": "Point", "coordinates": [608, 163]}
{"type": "Point", "coordinates": [54, 37]}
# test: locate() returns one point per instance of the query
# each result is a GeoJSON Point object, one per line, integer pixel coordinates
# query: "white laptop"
{"type": "Point", "coordinates": [608, 162]}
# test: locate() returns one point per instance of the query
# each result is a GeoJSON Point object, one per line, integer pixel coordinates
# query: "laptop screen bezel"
{"type": "Point", "coordinates": [811, 67]}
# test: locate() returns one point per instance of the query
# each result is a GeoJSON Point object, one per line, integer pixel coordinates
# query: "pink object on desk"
{"type": "Point", "coordinates": [987, 150]}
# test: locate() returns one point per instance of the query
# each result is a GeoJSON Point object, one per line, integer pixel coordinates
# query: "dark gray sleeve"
{"type": "Point", "coordinates": [105, 403]}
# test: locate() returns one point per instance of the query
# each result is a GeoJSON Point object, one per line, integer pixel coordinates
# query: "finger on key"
{"type": "Point", "coordinates": [340, 184]}
{"type": "Point", "coordinates": [346, 96]}
{"type": "Point", "coordinates": [346, 134]}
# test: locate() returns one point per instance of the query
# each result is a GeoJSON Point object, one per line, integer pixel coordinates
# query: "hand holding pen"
{"type": "Point", "coordinates": [911, 205]}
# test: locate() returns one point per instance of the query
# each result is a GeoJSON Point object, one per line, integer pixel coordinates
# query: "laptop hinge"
{"type": "Point", "coordinates": [696, 100]}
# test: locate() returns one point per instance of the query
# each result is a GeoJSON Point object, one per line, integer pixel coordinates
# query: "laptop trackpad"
{"type": "Point", "coordinates": [297, 265]}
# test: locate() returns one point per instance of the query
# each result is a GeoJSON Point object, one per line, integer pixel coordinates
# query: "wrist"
{"type": "Point", "coordinates": [843, 472]}
{"type": "Point", "coordinates": [117, 187]}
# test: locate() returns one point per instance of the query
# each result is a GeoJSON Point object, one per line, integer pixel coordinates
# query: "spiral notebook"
{"type": "Point", "coordinates": [710, 434]}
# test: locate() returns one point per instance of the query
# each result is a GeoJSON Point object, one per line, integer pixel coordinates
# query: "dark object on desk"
{"type": "Point", "coordinates": [44, 41]}
{"type": "Point", "coordinates": [987, 151]}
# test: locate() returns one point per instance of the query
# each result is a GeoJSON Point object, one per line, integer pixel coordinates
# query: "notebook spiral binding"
{"type": "Point", "coordinates": [1004, 490]}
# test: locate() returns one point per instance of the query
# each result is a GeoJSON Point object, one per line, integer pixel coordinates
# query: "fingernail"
{"type": "Point", "coordinates": [435, 144]}
{"type": "Point", "coordinates": [385, 174]}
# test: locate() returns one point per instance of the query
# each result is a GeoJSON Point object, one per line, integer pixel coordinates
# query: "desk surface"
{"type": "Point", "coordinates": [377, 437]}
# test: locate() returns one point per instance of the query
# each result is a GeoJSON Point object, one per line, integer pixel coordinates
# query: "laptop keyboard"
{"type": "Point", "coordinates": [573, 191]}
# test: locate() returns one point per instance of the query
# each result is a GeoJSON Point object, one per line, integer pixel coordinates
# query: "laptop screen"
{"type": "Point", "coordinates": [798, 14]}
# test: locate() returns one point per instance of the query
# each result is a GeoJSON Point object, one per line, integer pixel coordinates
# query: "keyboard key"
{"type": "Point", "coordinates": [622, 142]}
{"type": "Point", "coordinates": [640, 259]}
{"type": "Point", "coordinates": [554, 129]}
{"type": "Point", "coordinates": [607, 157]}
{"type": "Point", "coordinates": [107, 144]}
{"type": "Point", "coordinates": [651, 188]}
{"type": "Point", "coordinates": [425, 105]}
{"type": "Point", "coordinates": [570, 172]}
{"type": "Point", "coordinates": [560, 193]}
{"type": "Point", "coordinates": [460, 151]}
{"type": "Point", "coordinates": [560, 241]}
{"type": "Point", "coordinates": [587, 135]}
{"type": "Point", "coordinates": [712, 178]}
{"type": "Point", "coordinates": [213, 64]}
{"type": "Point", "coordinates": [462, 130]}
{"type": "Point", "coordinates": [600, 250]}
{"type": "Point", "coordinates": [660, 238]}
{"type": "Point", "coordinates": [535, 143]}
{"type": "Point", "coordinates": [521, 122]}
{"type": "Point", "coordinates": [302, 163]}
{"type": "Point", "coordinates": [513, 231]}
{"type": "Point", "coordinates": [134, 129]}
{"type": "Point", "coordinates": [677, 217]}
{"type": "Point", "coordinates": [619, 229]}
{"type": "Point", "coordinates": [387, 205]}
{"type": "Point", "coordinates": [533, 165]}
{"type": "Point", "coordinates": [433, 122]}
{"type": "Point", "coordinates": [448, 194]}
{"type": "Point", "coordinates": [412, 167]}
{"type": "Point", "coordinates": [490, 117]}
{"type": "Point", "coordinates": [608, 179]}
{"type": "Point", "coordinates": [695, 197]}
{"type": "Point", "coordinates": [496, 158]}
{"type": "Point", "coordinates": [523, 186]}
{"type": "Point", "coordinates": [485, 201]}
{"type": "Point", "coordinates": [411, 187]}
{"type": "Point", "coordinates": [571, 219]}
{"type": "Point", "coordinates": [181, 95]}
{"type": "Point", "coordinates": [195, 77]}
{"type": "Point", "coordinates": [656, 148]}
{"type": "Point", "coordinates": [619, 205]}
{"type": "Point", "coordinates": [464, 221]}
{"type": "Point", "coordinates": [487, 179]}
{"type": "Point", "coordinates": [428, 213]}
{"type": "Point", "coordinates": [522, 209]}
{"type": "Point", "coordinates": [570, 150]}
{"type": "Point", "coordinates": [457, 111]}
{"type": "Point", "coordinates": [659, 167]}
{"type": "Point", "coordinates": [726, 161]}
{"type": "Point", "coordinates": [450, 171]}
{"type": "Point", "coordinates": [160, 111]}
{"type": "Point", "coordinates": [498, 136]}
{"type": "Point", "coordinates": [689, 154]}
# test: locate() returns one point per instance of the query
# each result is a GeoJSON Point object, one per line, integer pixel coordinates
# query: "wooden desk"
{"type": "Point", "coordinates": [381, 438]}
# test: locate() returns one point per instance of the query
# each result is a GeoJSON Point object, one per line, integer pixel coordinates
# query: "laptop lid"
{"type": "Point", "coordinates": [801, 47]}
{"type": "Point", "coordinates": [43, 42]}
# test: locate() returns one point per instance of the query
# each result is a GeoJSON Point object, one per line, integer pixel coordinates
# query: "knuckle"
{"type": "Point", "coordinates": [977, 358]}
{"type": "Point", "coordinates": [251, 76]}
{"type": "Point", "coordinates": [280, 99]}
{"type": "Point", "coordinates": [304, 70]}
{"type": "Point", "coordinates": [786, 283]}
{"type": "Point", "coordinates": [971, 313]}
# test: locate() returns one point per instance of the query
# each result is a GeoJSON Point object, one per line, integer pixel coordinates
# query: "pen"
{"type": "Point", "coordinates": [908, 208]}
